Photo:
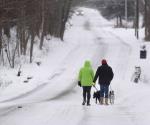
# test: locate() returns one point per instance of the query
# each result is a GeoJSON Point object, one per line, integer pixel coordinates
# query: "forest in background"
{"type": "Point", "coordinates": [122, 9]}
{"type": "Point", "coordinates": [27, 19]}
{"type": "Point", "coordinates": [30, 18]}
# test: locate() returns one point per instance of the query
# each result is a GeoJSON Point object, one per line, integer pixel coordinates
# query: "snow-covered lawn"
{"type": "Point", "coordinates": [52, 95]}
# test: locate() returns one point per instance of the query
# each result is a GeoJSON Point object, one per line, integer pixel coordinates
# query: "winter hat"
{"type": "Point", "coordinates": [104, 61]}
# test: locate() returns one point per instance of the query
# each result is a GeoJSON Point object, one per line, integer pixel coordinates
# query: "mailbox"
{"type": "Point", "coordinates": [143, 52]}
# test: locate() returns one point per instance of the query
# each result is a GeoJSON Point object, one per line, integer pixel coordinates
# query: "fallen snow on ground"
{"type": "Point", "coordinates": [52, 95]}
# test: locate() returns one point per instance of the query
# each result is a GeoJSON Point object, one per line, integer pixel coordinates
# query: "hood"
{"type": "Point", "coordinates": [87, 64]}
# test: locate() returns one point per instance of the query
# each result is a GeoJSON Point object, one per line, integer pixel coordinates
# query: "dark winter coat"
{"type": "Point", "coordinates": [105, 74]}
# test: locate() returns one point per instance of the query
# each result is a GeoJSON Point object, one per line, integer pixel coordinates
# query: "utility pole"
{"type": "Point", "coordinates": [126, 13]}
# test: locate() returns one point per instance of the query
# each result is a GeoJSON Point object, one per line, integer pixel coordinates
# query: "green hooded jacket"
{"type": "Point", "coordinates": [86, 74]}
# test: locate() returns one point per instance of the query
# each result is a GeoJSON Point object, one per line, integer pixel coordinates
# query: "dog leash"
{"type": "Point", "coordinates": [95, 87]}
{"type": "Point", "coordinates": [110, 88]}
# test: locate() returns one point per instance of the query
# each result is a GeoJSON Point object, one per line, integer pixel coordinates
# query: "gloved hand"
{"type": "Point", "coordinates": [79, 83]}
{"type": "Point", "coordinates": [93, 84]}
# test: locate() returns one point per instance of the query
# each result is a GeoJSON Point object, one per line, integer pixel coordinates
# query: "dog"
{"type": "Point", "coordinates": [96, 95]}
{"type": "Point", "coordinates": [111, 96]}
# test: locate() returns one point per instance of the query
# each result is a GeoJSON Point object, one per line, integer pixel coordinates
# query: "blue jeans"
{"type": "Point", "coordinates": [104, 89]}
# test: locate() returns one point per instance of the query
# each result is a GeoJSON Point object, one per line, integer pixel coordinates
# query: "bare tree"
{"type": "Point", "coordinates": [31, 18]}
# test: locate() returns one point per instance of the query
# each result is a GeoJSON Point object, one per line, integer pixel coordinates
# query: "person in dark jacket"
{"type": "Point", "coordinates": [105, 75]}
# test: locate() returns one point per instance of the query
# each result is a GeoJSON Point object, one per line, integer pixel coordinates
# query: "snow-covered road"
{"type": "Point", "coordinates": [58, 101]}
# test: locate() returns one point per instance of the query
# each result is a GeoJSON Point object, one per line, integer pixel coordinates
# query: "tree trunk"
{"type": "Point", "coordinates": [13, 56]}
{"type": "Point", "coordinates": [65, 15]}
{"type": "Point", "coordinates": [0, 40]}
{"type": "Point", "coordinates": [31, 46]}
{"type": "Point", "coordinates": [145, 19]}
{"type": "Point", "coordinates": [42, 25]}
{"type": "Point", "coordinates": [137, 20]}
{"type": "Point", "coordinates": [117, 21]}
{"type": "Point", "coordinates": [120, 21]}
{"type": "Point", "coordinates": [148, 26]}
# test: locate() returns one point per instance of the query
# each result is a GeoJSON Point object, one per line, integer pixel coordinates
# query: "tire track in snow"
{"type": "Point", "coordinates": [34, 90]}
{"type": "Point", "coordinates": [8, 110]}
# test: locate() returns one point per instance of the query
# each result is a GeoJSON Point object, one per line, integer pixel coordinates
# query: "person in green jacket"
{"type": "Point", "coordinates": [86, 76]}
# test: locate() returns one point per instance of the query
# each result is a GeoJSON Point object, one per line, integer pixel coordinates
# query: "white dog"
{"type": "Point", "coordinates": [111, 96]}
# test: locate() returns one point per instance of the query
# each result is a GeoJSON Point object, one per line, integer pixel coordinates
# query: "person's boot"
{"type": "Point", "coordinates": [101, 100]}
{"type": "Point", "coordinates": [84, 101]}
{"type": "Point", "coordinates": [106, 101]}
{"type": "Point", "coordinates": [88, 103]}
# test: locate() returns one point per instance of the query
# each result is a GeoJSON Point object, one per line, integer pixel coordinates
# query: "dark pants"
{"type": "Point", "coordinates": [104, 89]}
{"type": "Point", "coordinates": [86, 93]}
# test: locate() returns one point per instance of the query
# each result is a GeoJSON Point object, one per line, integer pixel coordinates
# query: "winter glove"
{"type": "Point", "coordinates": [79, 83]}
{"type": "Point", "coordinates": [93, 84]}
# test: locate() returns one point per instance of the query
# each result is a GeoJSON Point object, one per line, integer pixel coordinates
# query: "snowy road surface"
{"type": "Point", "coordinates": [58, 101]}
